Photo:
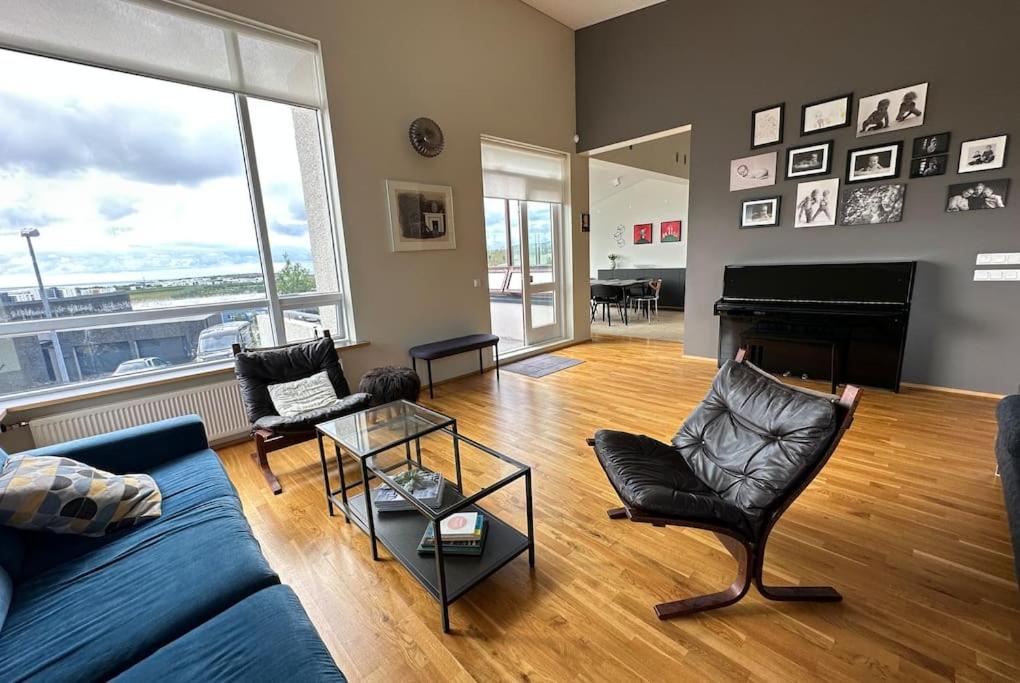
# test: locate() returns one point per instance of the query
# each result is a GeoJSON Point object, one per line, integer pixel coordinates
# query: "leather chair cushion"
{"type": "Point", "coordinates": [652, 477]}
{"type": "Point", "coordinates": [257, 369]}
{"type": "Point", "coordinates": [753, 438]}
{"type": "Point", "coordinates": [305, 422]}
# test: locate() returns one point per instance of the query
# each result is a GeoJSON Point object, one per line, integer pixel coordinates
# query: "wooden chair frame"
{"type": "Point", "coordinates": [266, 440]}
{"type": "Point", "coordinates": [749, 553]}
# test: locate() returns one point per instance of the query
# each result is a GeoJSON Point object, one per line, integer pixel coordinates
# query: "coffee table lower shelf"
{"type": "Point", "coordinates": [400, 533]}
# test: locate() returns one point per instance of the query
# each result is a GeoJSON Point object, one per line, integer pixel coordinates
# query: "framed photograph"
{"type": "Point", "coordinates": [760, 213]}
{"type": "Point", "coordinates": [643, 233]}
{"type": "Point", "coordinates": [825, 114]}
{"type": "Point", "coordinates": [983, 154]}
{"type": "Point", "coordinates": [926, 167]}
{"type": "Point", "coordinates": [892, 110]}
{"type": "Point", "coordinates": [987, 194]}
{"type": "Point", "coordinates": [872, 205]}
{"type": "Point", "coordinates": [929, 145]}
{"type": "Point", "coordinates": [816, 203]}
{"type": "Point", "coordinates": [767, 126]}
{"type": "Point", "coordinates": [421, 216]}
{"type": "Point", "coordinates": [751, 172]}
{"type": "Point", "coordinates": [809, 160]}
{"type": "Point", "coordinates": [669, 231]}
{"type": "Point", "coordinates": [865, 164]}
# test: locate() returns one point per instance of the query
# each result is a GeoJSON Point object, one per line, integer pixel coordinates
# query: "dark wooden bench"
{"type": "Point", "coordinates": [451, 347]}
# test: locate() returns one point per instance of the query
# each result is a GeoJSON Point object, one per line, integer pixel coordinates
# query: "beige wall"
{"type": "Point", "coordinates": [497, 67]}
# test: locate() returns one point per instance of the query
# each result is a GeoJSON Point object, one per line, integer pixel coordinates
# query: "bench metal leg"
{"type": "Point", "coordinates": [481, 365]}
{"type": "Point", "coordinates": [495, 354]}
{"type": "Point", "coordinates": [431, 394]}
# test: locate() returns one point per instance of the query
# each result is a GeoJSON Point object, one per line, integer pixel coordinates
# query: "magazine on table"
{"type": "Point", "coordinates": [426, 487]}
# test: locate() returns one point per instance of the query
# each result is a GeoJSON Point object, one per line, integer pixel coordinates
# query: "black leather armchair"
{"type": "Point", "coordinates": [257, 369]}
{"type": "Point", "coordinates": [735, 466]}
{"type": "Point", "coordinates": [1007, 453]}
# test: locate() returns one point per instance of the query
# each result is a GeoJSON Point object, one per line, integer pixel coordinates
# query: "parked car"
{"type": "Point", "coordinates": [215, 342]}
{"type": "Point", "coordinates": [134, 365]}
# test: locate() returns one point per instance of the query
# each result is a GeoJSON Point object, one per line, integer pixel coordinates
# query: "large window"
{"type": "Point", "coordinates": [147, 224]}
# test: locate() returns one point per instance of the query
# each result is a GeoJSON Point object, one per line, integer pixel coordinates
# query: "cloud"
{"type": "Point", "coordinates": [19, 217]}
{"type": "Point", "coordinates": [288, 229]}
{"type": "Point", "coordinates": [115, 208]}
{"type": "Point", "coordinates": [297, 208]}
{"type": "Point", "coordinates": [140, 144]}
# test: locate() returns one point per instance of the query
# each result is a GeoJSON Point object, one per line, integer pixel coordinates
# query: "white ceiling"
{"type": "Point", "coordinates": [602, 176]}
{"type": "Point", "coordinates": [580, 13]}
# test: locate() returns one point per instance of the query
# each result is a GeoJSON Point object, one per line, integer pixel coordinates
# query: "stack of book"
{"type": "Point", "coordinates": [425, 486]}
{"type": "Point", "coordinates": [463, 534]}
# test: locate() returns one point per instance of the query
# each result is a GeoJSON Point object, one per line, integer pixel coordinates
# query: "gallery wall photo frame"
{"type": "Point", "coordinates": [872, 205]}
{"type": "Point", "coordinates": [670, 231]}
{"type": "Point", "coordinates": [760, 213]}
{"type": "Point", "coordinates": [977, 195]}
{"type": "Point", "coordinates": [750, 172]}
{"type": "Point", "coordinates": [983, 154]}
{"type": "Point", "coordinates": [892, 110]}
{"type": "Point", "coordinates": [809, 160]}
{"type": "Point", "coordinates": [929, 167]}
{"type": "Point", "coordinates": [816, 203]}
{"type": "Point", "coordinates": [421, 216]}
{"type": "Point", "coordinates": [824, 115]}
{"type": "Point", "coordinates": [767, 125]}
{"type": "Point", "coordinates": [876, 162]}
{"type": "Point", "coordinates": [930, 145]}
{"type": "Point", "coordinates": [643, 233]}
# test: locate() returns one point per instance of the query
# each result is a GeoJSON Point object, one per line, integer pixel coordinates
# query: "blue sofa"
{"type": "Point", "coordinates": [1007, 454]}
{"type": "Point", "coordinates": [188, 596]}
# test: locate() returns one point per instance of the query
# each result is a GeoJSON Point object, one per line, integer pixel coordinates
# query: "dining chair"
{"type": "Point", "coordinates": [606, 296]}
{"type": "Point", "coordinates": [650, 299]}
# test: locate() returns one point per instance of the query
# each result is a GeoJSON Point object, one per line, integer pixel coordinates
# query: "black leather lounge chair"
{"type": "Point", "coordinates": [256, 369]}
{"type": "Point", "coordinates": [737, 463]}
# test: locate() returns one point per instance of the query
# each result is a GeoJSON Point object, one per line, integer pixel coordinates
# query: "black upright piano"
{"type": "Point", "coordinates": [819, 319]}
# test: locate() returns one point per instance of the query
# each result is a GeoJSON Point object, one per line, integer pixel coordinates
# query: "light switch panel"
{"type": "Point", "coordinates": [999, 259]}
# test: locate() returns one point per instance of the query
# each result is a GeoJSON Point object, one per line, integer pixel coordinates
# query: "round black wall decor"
{"type": "Point", "coordinates": [426, 137]}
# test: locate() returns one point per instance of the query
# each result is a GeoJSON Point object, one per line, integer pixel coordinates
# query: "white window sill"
{"type": "Point", "coordinates": [51, 397]}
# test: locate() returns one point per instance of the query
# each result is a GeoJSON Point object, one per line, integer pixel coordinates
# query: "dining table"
{"type": "Point", "coordinates": [624, 284]}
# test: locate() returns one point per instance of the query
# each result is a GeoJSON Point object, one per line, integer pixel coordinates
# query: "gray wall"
{"type": "Point", "coordinates": [710, 63]}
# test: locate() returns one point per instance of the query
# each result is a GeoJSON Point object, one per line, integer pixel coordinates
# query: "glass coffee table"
{"type": "Point", "coordinates": [386, 441]}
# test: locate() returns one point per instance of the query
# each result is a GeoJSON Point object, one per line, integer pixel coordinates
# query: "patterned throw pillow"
{"type": "Point", "coordinates": [67, 497]}
{"type": "Point", "coordinates": [293, 398]}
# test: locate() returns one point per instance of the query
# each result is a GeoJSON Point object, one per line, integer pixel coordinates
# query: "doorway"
{"type": "Point", "coordinates": [639, 199]}
{"type": "Point", "coordinates": [525, 190]}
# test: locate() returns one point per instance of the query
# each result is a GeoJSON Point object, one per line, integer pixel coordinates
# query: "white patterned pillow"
{"type": "Point", "coordinates": [293, 398]}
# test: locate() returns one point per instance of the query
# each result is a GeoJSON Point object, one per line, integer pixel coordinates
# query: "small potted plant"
{"type": "Point", "coordinates": [613, 258]}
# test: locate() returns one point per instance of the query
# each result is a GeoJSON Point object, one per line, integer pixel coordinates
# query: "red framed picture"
{"type": "Point", "coordinates": [669, 231]}
{"type": "Point", "coordinates": [643, 233]}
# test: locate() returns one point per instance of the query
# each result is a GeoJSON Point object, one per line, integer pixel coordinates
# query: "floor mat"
{"type": "Point", "coordinates": [540, 366]}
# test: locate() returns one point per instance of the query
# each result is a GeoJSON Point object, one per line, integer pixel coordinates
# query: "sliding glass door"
{"type": "Point", "coordinates": [523, 249]}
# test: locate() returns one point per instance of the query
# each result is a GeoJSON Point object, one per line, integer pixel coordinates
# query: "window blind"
{"type": "Point", "coordinates": [511, 172]}
{"type": "Point", "coordinates": [166, 40]}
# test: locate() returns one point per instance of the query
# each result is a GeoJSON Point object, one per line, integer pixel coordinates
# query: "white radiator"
{"type": "Point", "coordinates": [219, 406]}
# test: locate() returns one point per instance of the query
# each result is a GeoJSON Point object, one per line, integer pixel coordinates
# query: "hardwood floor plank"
{"type": "Point", "coordinates": [906, 520]}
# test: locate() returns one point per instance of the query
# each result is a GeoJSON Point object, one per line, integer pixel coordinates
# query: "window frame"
{"type": "Point", "coordinates": [273, 302]}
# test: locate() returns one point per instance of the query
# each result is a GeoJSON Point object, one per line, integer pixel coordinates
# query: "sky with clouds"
{"type": "Point", "coordinates": [129, 178]}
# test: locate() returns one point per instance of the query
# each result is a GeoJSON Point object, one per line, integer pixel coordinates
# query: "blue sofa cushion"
{"type": "Point", "coordinates": [185, 483]}
{"type": "Point", "coordinates": [266, 637]}
{"type": "Point", "coordinates": [96, 615]}
{"type": "Point", "coordinates": [6, 594]}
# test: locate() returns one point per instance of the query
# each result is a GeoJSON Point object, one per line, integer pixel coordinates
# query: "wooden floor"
{"type": "Point", "coordinates": [907, 521]}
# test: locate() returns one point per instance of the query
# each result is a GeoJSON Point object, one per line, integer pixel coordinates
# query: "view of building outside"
{"type": "Point", "coordinates": [127, 236]}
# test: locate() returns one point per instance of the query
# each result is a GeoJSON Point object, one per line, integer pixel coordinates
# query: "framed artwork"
{"type": "Point", "coordinates": [585, 222]}
{"type": "Point", "coordinates": [872, 205]}
{"type": "Point", "coordinates": [892, 110]}
{"type": "Point", "coordinates": [828, 114]}
{"type": "Point", "coordinates": [421, 216]}
{"type": "Point", "coordinates": [669, 231]}
{"type": "Point", "coordinates": [865, 164]}
{"type": "Point", "coordinates": [987, 194]}
{"type": "Point", "coordinates": [767, 126]}
{"type": "Point", "coordinates": [751, 172]}
{"type": "Point", "coordinates": [760, 213]}
{"type": "Point", "coordinates": [643, 233]}
{"type": "Point", "coordinates": [929, 145]}
{"type": "Point", "coordinates": [983, 154]}
{"type": "Point", "coordinates": [809, 160]}
{"type": "Point", "coordinates": [816, 203]}
{"type": "Point", "coordinates": [926, 167]}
